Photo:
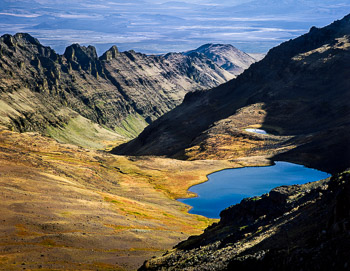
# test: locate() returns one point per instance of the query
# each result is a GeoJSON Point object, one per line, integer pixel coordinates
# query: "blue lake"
{"type": "Point", "coordinates": [228, 187]}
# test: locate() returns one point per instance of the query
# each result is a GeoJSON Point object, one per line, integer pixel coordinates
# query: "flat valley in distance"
{"type": "Point", "coordinates": [158, 27]}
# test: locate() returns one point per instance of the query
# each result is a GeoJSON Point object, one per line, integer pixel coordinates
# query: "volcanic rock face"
{"type": "Point", "coordinates": [299, 227]}
{"type": "Point", "coordinates": [120, 91]}
{"type": "Point", "coordinates": [300, 89]}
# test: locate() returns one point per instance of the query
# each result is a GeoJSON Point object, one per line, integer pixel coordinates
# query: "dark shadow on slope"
{"type": "Point", "coordinates": [304, 95]}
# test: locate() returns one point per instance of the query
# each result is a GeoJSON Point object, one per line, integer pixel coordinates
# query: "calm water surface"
{"type": "Point", "coordinates": [227, 187]}
{"type": "Point", "coordinates": [257, 131]}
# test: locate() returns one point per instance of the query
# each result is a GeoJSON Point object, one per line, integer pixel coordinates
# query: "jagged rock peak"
{"type": "Point", "coordinates": [25, 42]}
{"type": "Point", "coordinates": [19, 38]}
{"type": "Point", "coordinates": [110, 54]}
{"type": "Point", "coordinates": [8, 40]}
{"type": "Point", "coordinates": [78, 53]}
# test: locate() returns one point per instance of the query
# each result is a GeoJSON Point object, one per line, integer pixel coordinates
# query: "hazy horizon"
{"type": "Point", "coordinates": [155, 27]}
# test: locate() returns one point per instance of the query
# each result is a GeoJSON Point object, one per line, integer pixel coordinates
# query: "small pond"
{"type": "Point", "coordinates": [256, 131]}
{"type": "Point", "coordinates": [228, 187]}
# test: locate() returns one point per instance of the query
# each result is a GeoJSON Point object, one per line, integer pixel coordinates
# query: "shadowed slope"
{"type": "Point", "coordinates": [300, 89]}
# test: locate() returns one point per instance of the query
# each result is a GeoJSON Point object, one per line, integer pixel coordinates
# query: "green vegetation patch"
{"type": "Point", "coordinates": [243, 227]}
{"type": "Point", "coordinates": [255, 198]}
{"type": "Point", "coordinates": [131, 126]}
{"type": "Point", "coordinates": [85, 133]}
{"type": "Point", "coordinates": [112, 200]}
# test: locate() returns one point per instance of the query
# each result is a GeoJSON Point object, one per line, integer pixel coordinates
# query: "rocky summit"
{"type": "Point", "coordinates": [118, 93]}
{"type": "Point", "coordinates": [298, 93]}
{"type": "Point", "coordinates": [226, 56]}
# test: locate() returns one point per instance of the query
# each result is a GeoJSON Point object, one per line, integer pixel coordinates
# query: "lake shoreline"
{"type": "Point", "coordinates": [295, 174]}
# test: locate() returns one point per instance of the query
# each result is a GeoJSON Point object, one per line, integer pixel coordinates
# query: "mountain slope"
{"type": "Point", "coordinates": [226, 56]}
{"type": "Point", "coordinates": [299, 90]}
{"type": "Point", "coordinates": [119, 91]}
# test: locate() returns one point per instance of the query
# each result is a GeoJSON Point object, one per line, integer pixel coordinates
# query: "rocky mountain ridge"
{"type": "Point", "coordinates": [120, 91]}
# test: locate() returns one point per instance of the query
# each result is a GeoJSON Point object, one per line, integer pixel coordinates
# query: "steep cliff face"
{"type": "Point", "coordinates": [121, 92]}
{"type": "Point", "coordinates": [291, 228]}
{"type": "Point", "coordinates": [299, 90]}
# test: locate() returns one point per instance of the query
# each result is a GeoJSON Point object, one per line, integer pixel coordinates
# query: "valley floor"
{"type": "Point", "coordinates": [68, 208]}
